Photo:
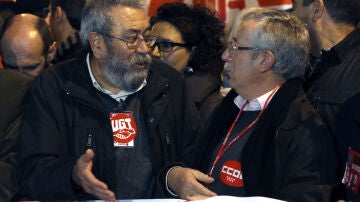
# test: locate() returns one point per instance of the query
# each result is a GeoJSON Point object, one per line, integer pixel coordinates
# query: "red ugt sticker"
{"type": "Point", "coordinates": [351, 176]}
{"type": "Point", "coordinates": [124, 129]}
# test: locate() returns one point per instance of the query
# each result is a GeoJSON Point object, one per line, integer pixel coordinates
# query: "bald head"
{"type": "Point", "coordinates": [25, 42]}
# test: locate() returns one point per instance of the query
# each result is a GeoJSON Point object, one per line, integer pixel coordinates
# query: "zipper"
{"type": "Point", "coordinates": [90, 141]}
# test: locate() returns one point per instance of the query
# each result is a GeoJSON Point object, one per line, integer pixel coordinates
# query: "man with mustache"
{"type": "Point", "coordinates": [265, 138]}
{"type": "Point", "coordinates": [103, 125]}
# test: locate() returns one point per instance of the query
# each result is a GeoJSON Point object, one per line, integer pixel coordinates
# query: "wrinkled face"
{"type": "Point", "coordinates": [123, 65]}
{"type": "Point", "coordinates": [174, 55]}
{"type": "Point", "coordinates": [240, 65]}
{"type": "Point", "coordinates": [24, 53]}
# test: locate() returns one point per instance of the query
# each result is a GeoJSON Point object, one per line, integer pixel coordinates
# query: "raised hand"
{"type": "Point", "coordinates": [83, 176]}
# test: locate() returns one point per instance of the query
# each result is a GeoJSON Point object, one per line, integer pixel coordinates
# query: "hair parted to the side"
{"type": "Point", "coordinates": [96, 16]}
{"type": "Point", "coordinates": [283, 34]}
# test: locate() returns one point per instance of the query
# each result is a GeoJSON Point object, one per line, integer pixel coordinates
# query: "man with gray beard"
{"type": "Point", "coordinates": [103, 125]}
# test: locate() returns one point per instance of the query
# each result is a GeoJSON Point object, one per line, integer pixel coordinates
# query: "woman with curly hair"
{"type": "Point", "coordinates": [189, 38]}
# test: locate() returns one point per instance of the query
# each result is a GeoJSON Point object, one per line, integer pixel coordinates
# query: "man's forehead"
{"type": "Point", "coordinates": [130, 19]}
{"type": "Point", "coordinates": [242, 30]}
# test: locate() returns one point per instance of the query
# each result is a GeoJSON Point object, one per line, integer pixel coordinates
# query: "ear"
{"type": "Point", "coordinates": [58, 14]}
{"type": "Point", "coordinates": [318, 9]}
{"type": "Point", "coordinates": [51, 52]}
{"type": "Point", "coordinates": [266, 61]}
{"type": "Point", "coordinates": [96, 42]}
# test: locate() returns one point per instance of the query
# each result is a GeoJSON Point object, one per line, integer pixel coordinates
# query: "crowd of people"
{"type": "Point", "coordinates": [101, 101]}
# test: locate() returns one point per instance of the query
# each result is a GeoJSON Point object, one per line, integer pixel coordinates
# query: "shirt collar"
{"type": "Point", "coordinates": [256, 104]}
{"type": "Point", "coordinates": [122, 95]}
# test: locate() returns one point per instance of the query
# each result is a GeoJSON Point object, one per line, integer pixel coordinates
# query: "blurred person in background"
{"type": "Point", "coordinates": [26, 44]}
{"type": "Point", "coordinates": [5, 13]}
{"type": "Point", "coordinates": [334, 73]}
{"type": "Point", "coordinates": [189, 38]}
{"type": "Point", "coordinates": [13, 86]}
{"type": "Point", "coordinates": [64, 17]}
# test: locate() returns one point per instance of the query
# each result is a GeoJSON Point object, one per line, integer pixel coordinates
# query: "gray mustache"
{"type": "Point", "coordinates": [228, 68]}
{"type": "Point", "coordinates": [140, 58]}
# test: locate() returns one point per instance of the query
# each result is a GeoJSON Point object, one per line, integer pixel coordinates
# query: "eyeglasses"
{"type": "Point", "coordinates": [167, 46]}
{"type": "Point", "coordinates": [232, 46]}
{"type": "Point", "coordinates": [134, 42]}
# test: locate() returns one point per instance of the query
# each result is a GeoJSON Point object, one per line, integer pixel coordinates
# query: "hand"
{"type": "Point", "coordinates": [83, 176]}
{"type": "Point", "coordinates": [186, 183]}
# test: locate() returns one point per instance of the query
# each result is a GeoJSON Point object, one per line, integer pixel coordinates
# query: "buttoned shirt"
{"type": "Point", "coordinates": [256, 104]}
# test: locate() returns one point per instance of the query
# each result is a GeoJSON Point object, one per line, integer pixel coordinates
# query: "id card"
{"type": "Point", "coordinates": [124, 129]}
{"type": "Point", "coordinates": [352, 172]}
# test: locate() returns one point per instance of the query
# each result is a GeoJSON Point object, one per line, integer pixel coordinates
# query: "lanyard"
{"type": "Point", "coordinates": [224, 147]}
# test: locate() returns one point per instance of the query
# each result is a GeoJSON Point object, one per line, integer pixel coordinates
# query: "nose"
{"type": "Point", "coordinates": [155, 51]}
{"type": "Point", "coordinates": [225, 56]}
{"type": "Point", "coordinates": [142, 47]}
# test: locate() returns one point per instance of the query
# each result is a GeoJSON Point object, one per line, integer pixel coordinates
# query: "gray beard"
{"type": "Point", "coordinates": [228, 67]}
{"type": "Point", "coordinates": [122, 74]}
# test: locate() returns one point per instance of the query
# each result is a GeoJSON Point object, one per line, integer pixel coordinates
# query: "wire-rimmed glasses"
{"type": "Point", "coordinates": [134, 42]}
{"type": "Point", "coordinates": [232, 46]}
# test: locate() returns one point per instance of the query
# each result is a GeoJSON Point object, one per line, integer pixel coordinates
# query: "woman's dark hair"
{"type": "Point", "coordinates": [200, 29]}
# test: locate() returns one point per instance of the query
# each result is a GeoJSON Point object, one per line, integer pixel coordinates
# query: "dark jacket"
{"type": "Point", "coordinates": [13, 86]}
{"type": "Point", "coordinates": [289, 154]}
{"type": "Point", "coordinates": [336, 78]}
{"type": "Point", "coordinates": [63, 108]}
{"type": "Point", "coordinates": [203, 90]}
{"type": "Point", "coordinates": [69, 49]}
{"type": "Point", "coordinates": [347, 135]}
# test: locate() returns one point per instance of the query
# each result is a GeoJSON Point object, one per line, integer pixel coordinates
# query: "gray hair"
{"type": "Point", "coordinates": [96, 17]}
{"type": "Point", "coordinates": [283, 34]}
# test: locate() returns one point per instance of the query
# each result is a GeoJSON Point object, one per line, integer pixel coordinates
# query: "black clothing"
{"type": "Point", "coordinates": [13, 86]}
{"type": "Point", "coordinates": [63, 108]}
{"type": "Point", "coordinates": [131, 178]}
{"type": "Point", "coordinates": [69, 49]}
{"type": "Point", "coordinates": [232, 154]}
{"type": "Point", "coordinates": [336, 78]}
{"type": "Point", "coordinates": [203, 90]}
{"type": "Point", "coordinates": [289, 154]}
{"type": "Point", "coordinates": [347, 134]}
{"type": "Point", "coordinates": [314, 61]}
